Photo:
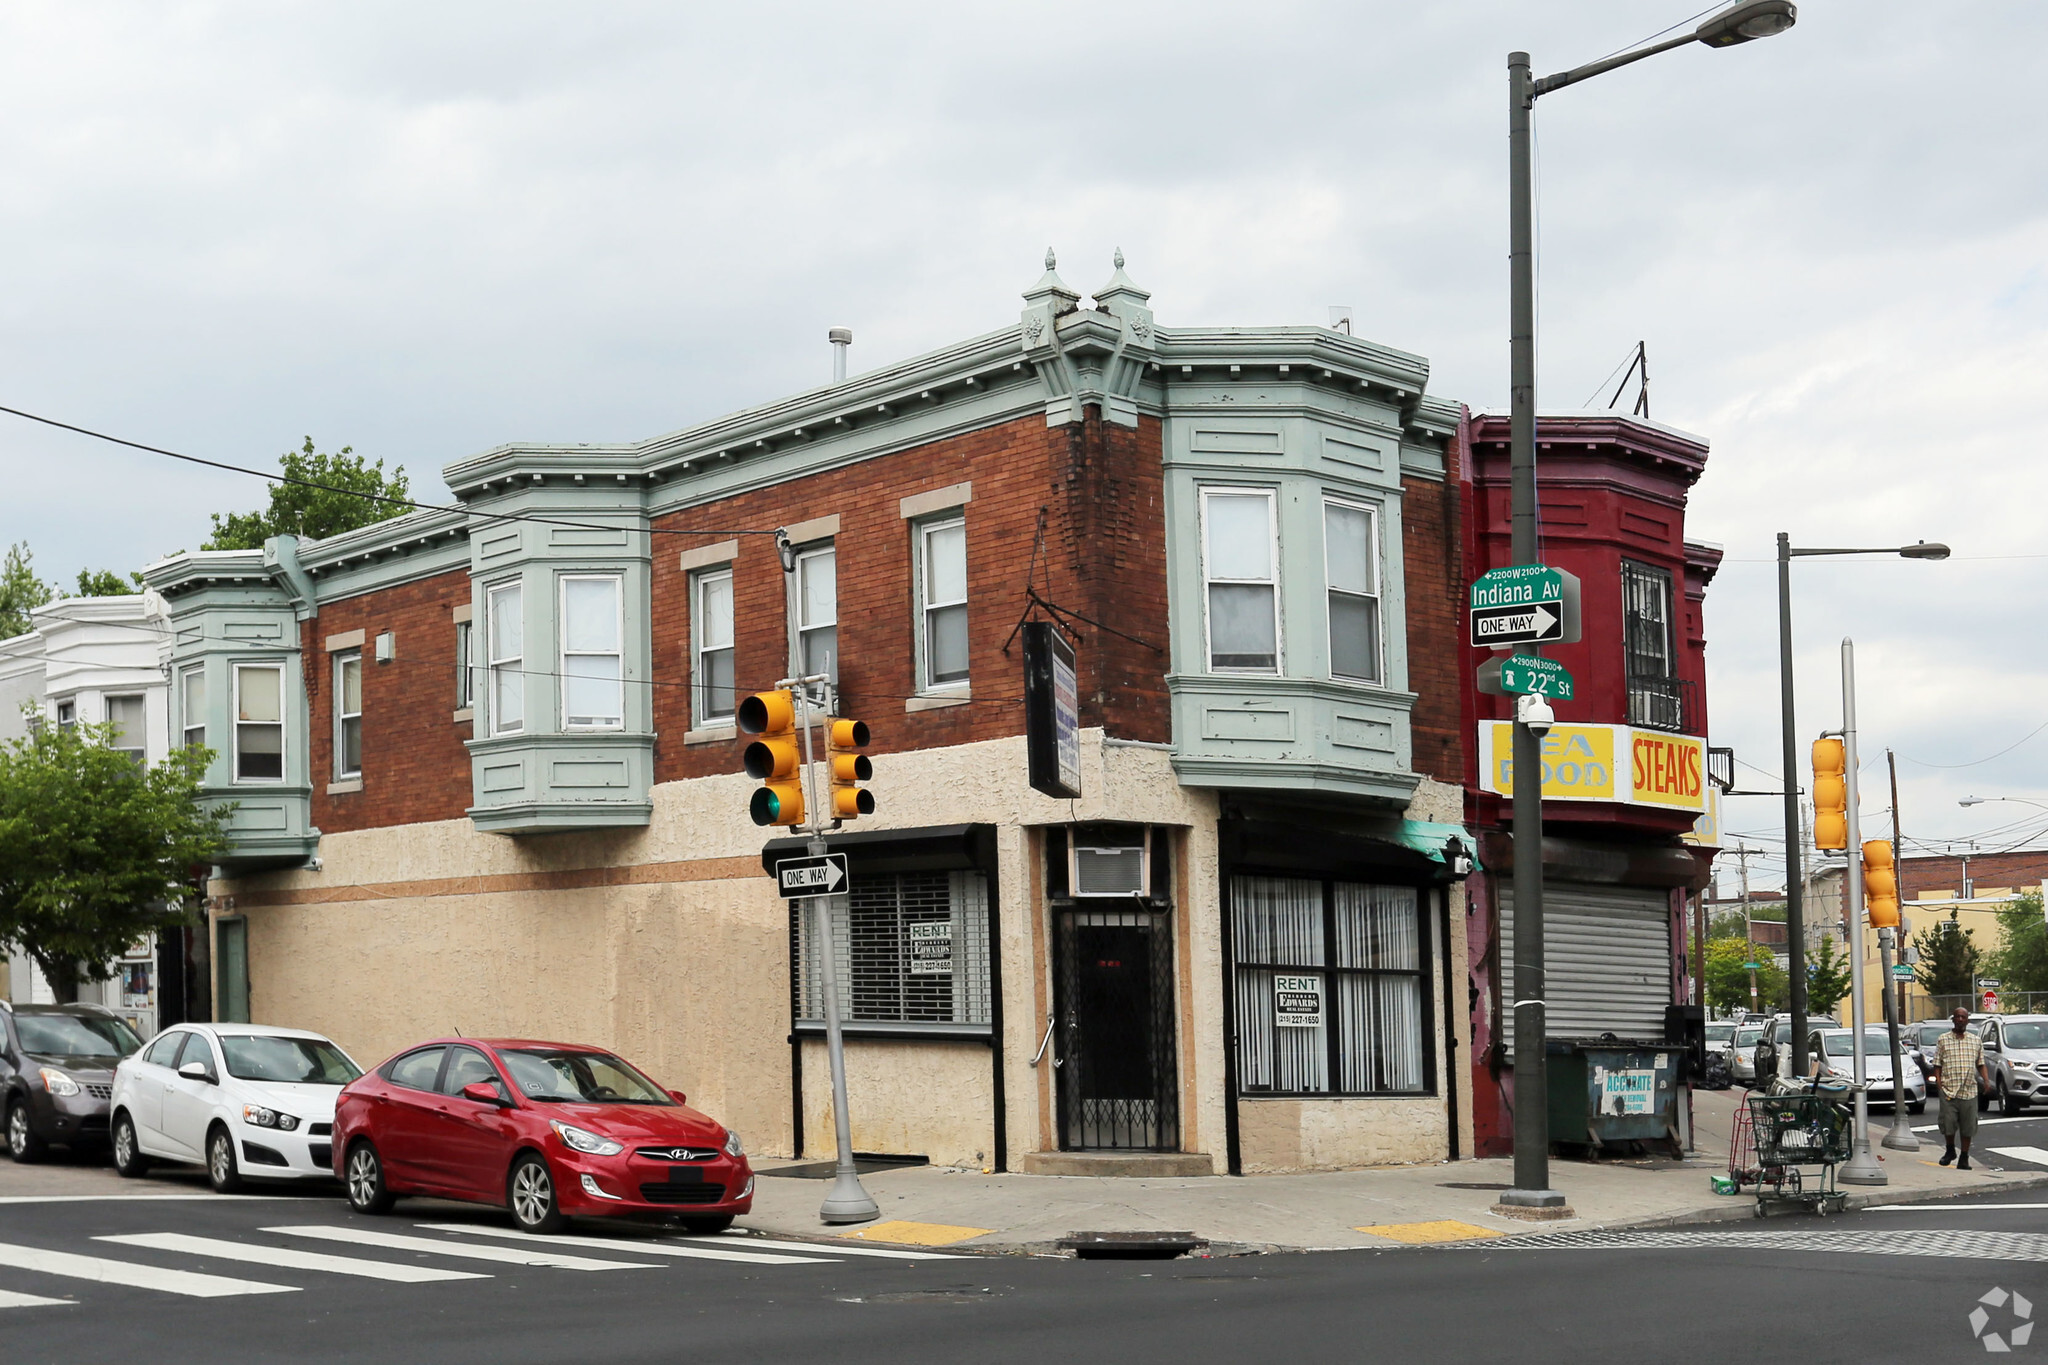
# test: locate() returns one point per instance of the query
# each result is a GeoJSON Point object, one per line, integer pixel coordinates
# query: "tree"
{"type": "Point", "coordinates": [21, 592]}
{"type": "Point", "coordinates": [2020, 962]}
{"type": "Point", "coordinates": [94, 852]}
{"type": "Point", "coordinates": [107, 583]}
{"type": "Point", "coordinates": [1949, 958]}
{"type": "Point", "coordinates": [1827, 977]}
{"type": "Point", "coordinates": [315, 513]}
{"type": "Point", "coordinates": [1731, 925]}
{"type": "Point", "coordinates": [1728, 979]}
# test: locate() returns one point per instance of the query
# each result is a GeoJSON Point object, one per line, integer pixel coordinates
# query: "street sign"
{"type": "Point", "coordinates": [1528, 604]}
{"type": "Point", "coordinates": [1751, 966]}
{"type": "Point", "coordinates": [1901, 972]}
{"type": "Point", "coordinates": [1515, 674]}
{"type": "Point", "coordinates": [799, 877]}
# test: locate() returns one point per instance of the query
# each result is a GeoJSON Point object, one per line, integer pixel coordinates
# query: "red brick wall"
{"type": "Point", "coordinates": [1435, 579]}
{"type": "Point", "coordinates": [415, 767]}
{"type": "Point", "coordinates": [1944, 873]}
{"type": "Point", "coordinates": [1103, 557]}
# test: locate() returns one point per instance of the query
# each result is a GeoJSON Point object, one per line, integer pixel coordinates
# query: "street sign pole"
{"type": "Point", "coordinates": [1862, 1167]}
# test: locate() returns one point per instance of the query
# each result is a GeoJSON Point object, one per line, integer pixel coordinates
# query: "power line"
{"type": "Point", "coordinates": [1975, 761]}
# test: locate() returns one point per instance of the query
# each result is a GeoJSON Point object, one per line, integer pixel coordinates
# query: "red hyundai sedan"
{"type": "Point", "coordinates": [547, 1130]}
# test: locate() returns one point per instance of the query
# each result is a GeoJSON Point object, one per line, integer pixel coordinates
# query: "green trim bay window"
{"type": "Point", "coordinates": [1240, 562]}
{"type": "Point", "coordinates": [507, 631]}
{"type": "Point", "coordinates": [1351, 561]}
{"type": "Point", "coordinates": [259, 723]}
{"type": "Point", "coordinates": [593, 632]}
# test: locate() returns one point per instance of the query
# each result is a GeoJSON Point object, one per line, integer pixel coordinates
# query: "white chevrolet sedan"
{"type": "Point", "coordinates": [243, 1100]}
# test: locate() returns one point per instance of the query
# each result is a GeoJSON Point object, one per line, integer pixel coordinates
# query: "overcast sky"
{"type": "Point", "coordinates": [422, 230]}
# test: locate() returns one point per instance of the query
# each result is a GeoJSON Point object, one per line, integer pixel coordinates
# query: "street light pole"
{"type": "Point", "coordinates": [1862, 1167]}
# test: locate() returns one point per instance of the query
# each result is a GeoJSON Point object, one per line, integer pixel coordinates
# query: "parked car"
{"type": "Point", "coordinates": [244, 1100]}
{"type": "Point", "coordinates": [1830, 1054]}
{"type": "Point", "coordinates": [545, 1130]}
{"type": "Point", "coordinates": [56, 1069]}
{"type": "Point", "coordinates": [1770, 1045]}
{"type": "Point", "coordinates": [1720, 1034]}
{"type": "Point", "coordinates": [1742, 1053]}
{"type": "Point", "coordinates": [1922, 1037]}
{"type": "Point", "coordinates": [2016, 1055]}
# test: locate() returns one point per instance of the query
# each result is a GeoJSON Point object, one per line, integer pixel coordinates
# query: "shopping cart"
{"type": "Point", "coordinates": [1797, 1130]}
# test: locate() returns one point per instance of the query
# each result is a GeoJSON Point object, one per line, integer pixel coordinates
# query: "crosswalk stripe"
{"type": "Point", "coordinates": [292, 1258]}
{"type": "Point", "coordinates": [1983, 1122]}
{"type": "Point", "coordinates": [435, 1246]}
{"type": "Point", "coordinates": [2034, 1154]}
{"type": "Point", "coordinates": [649, 1247]}
{"type": "Point", "coordinates": [1932, 1207]}
{"type": "Point", "coordinates": [10, 1299]}
{"type": "Point", "coordinates": [883, 1253]}
{"type": "Point", "coordinates": [187, 1282]}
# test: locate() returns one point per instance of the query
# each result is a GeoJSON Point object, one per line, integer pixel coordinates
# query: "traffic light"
{"type": "Point", "coordinates": [842, 739]}
{"type": "Point", "coordinates": [1830, 795]}
{"type": "Point", "coordinates": [1880, 884]}
{"type": "Point", "coordinates": [776, 758]}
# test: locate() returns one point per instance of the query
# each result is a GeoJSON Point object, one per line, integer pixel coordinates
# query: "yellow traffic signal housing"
{"type": "Point", "coordinates": [776, 758]}
{"type": "Point", "coordinates": [1830, 795]}
{"type": "Point", "coordinates": [843, 738]}
{"type": "Point", "coordinates": [1880, 884]}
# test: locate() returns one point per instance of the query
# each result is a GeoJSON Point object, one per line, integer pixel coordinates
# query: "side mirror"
{"type": "Point", "coordinates": [483, 1092]}
{"type": "Point", "coordinates": [679, 1097]}
{"type": "Point", "coordinates": [197, 1071]}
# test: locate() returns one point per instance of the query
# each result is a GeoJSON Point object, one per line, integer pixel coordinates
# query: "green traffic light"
{"type": "Point", "coordinates": [766, 807]}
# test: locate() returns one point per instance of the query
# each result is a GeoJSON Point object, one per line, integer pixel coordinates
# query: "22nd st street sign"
{"type": "Point", "coordinates": [1528, 604]}
{"type": "Point", "coordinates": [1520, 674]}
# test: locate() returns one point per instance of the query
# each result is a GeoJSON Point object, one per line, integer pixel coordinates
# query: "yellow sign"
{"type": "Point", "coordinates": [1706, 831]}
{"type": "Point", "coordinates": [1603, 763]}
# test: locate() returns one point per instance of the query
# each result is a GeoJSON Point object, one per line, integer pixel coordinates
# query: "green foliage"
{"type": "Point", "coordinates": [21, 592]}
{"type": "Point", "coordinates": [95, 852]}
{"type": "Point", "coordinates": [1827, 977]}
{"type": "Point", "coordinates": [2020, 961]}
{"type": "Point", "coordinates": [1949, 958]}
{"type": "Point", "coordinates": [315, 513]}
{"type": "Point", "coordinates": [1728, 979]}
{"type": "Point", "coordinates": [107, 583]}
{"type": "Point", "coordinates": [1730, 925]}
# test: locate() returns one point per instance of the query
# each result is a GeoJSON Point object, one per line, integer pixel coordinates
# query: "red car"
{"type": "Point", "coordinates": [547, 1130]}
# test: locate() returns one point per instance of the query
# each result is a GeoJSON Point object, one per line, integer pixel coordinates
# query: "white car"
{"type": "Point", "coordinates": [1742, 1052]}
{"type": "Point", "coordinates": [1832, 1049]}
{"type": "Point", "coordinates": [240, 1099]}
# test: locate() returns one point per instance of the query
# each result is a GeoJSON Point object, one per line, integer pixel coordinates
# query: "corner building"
{"type": "Point", "coordinates": [487, 777]}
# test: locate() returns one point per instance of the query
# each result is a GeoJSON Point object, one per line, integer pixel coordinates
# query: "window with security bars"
{"type": "Point", "coordinates": [1331, 987]}
{"type": "Point", "coordinates": [911, 948]}
{"type": "Point", "coordinates": [1650, 653]}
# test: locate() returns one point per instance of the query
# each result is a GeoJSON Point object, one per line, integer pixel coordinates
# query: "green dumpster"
{"type": "Point", "coordinates": [1607, 1090]}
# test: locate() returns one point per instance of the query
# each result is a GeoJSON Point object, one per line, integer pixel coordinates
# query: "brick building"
{"type": "Point", "coordinates": [486, 775]}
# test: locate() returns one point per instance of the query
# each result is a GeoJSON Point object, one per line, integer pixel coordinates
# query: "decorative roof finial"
{"type": "Point", "coordinates": [1050, 263]}
{"type": "Point", "coordinates": [1051, 288]}
{"type": "Point", "coordinates": [1119, 258]}
{"type": "Point", "coordinates": [1121, 294]}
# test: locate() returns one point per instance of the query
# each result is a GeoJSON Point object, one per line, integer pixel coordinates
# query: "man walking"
{"type": "Point", "coordinates": [1959, 1071]}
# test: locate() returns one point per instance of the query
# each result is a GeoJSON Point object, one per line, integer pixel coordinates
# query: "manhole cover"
{"type": "Point", "coordinates": [1471, 1185]}
{"type": "Point", "coordinates": [1131, 1245]}
{"type": "Point", "coordinates": [930, 1296]}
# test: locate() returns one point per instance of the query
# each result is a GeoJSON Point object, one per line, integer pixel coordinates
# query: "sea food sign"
{"type": "Point", "coordinates": [1603, 763]}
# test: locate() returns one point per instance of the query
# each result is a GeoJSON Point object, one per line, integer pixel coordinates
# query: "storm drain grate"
{"type": "Point", "coordinates": [1131, 1245]}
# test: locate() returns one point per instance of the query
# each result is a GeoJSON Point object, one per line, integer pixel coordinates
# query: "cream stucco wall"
{"type": "Point", "coordinates": [935, 1099]}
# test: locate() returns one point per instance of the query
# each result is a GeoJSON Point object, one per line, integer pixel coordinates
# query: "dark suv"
{"type": "Point", "coordinates": [56, 1074]}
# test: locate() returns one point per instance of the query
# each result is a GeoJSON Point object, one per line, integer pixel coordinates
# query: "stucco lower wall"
{"type": "Point", "coordinates": [934, 1099]}
{"type": "Point", "coordinates": [1281, 1135]}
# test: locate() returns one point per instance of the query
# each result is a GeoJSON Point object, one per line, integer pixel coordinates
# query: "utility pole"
{"type": "Point", "coordinates": [1748, 925]}
{"type": "Point", "coordinates": [1900, 1138]}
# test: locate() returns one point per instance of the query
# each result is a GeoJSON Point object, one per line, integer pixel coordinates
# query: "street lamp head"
{"type": "Point", "coordinates": [1743, 22]}
{"type": "Point", "coordinates": [1971, 801]}
{"type": "Point", "coordinates": [1926, 549]}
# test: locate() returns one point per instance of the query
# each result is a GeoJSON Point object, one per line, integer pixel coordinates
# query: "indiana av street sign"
{"type": "Point", "coordinates": [1528, 604]}
{"type": "Point", "coordinates": [798, 877]}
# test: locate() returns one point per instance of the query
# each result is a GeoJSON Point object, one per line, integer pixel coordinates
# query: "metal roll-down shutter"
{"type": "Point", "coordinates": [1607, 954]}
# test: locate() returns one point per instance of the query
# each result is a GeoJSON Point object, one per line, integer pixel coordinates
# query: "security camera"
{"type": "Point", "coordinates": [1534, 712]}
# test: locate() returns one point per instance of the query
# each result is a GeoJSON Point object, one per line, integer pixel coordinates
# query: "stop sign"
{"type": "Point", "coordinates": [1990, 1003]}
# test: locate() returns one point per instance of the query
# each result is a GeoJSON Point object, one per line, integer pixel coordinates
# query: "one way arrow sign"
{"type": "Point", "coordinates": [1536, 624]}
{"type": "Point", "coordinates": [798, 877]}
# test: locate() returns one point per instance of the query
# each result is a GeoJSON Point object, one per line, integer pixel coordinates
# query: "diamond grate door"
{"type": "Point", "coordinates": [1119, 1082]}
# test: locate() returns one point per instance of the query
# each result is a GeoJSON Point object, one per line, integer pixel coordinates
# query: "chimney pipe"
{"type": "Point", "coordinates": [841, 338]}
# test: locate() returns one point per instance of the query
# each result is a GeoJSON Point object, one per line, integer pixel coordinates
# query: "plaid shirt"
{"type": "Point", "coordinates": [1958, 1055]}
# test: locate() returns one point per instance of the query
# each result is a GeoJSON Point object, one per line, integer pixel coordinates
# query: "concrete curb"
{"type": "Point", "coordinates": [1742, 1207]}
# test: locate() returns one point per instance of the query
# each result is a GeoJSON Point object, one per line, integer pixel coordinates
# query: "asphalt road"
{"type": "Point", "coordinates": [199, 1278]}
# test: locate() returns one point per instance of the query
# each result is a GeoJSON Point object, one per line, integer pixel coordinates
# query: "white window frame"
{"type": "Point", "coordinates": [703, 716]}
{"type": "Point", "coordinates": [342, 717]}
{"type": "Point", "coordinates": [188, 726]}
{"type": "Point", "coordinates": [1377, 596]}
{"type": "Point", "coordinates": [284, 766]}
{"type": "Point", "coordinates": [67, 715]}
{"type": "Point", "coordinates": [920, 569]}
{"type": "Point", "coordinates": [465, 665]}
{"type": "Point", "coordinates": [1279, 617]}
{"type": "Point", "coordinates": [140, 747]}
{"type": "Point", "coordinates": [500, 664]}
{"type": "Point", "coordinates": [810, 554]}
{"type": "Point", "coordinates": [564, 654]}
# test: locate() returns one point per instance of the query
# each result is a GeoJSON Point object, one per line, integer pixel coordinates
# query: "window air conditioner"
{"type": "Point", "coordinates": [1110, 863]}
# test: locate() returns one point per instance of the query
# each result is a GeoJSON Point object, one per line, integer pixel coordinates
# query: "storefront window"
{"type": "Point", "coordinates": [910, 948]}
{"type": "Point", "coordinates": [1331, 991]}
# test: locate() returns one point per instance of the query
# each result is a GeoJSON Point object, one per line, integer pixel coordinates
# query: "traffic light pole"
{"type": "Point", "coordinates": [1795, 885]}
{"type": "Point", "coordinates": [1862, 1167]}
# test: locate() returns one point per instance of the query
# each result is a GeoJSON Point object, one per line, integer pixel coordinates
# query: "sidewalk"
{"type": "Point", "coordinates": [932, 1206]}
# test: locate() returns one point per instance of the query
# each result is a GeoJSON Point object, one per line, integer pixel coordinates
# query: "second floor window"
{"type": "Point", "coordinates": [1650, 651]}
{"type": "Point", "coordinates": [192, 703]}
{"type": "Point", "coordinates": [67, 714]}
{"type": "Point", "coordinates": [1239, 563]}
{"type": "Point", "coordinates": [942, 603]}
{"type": "Point", "coordinates": [348, 715]}
{"type": "Point", "coordinates": [1351, 559]}
{"type": "Point", "coordinates": [259, 723]}
{"type": "Point", "coordinates": [711, 630]}
{"type": "Point", "coordinates": [506, 630]}
{"type": "Point", "coordinates": [593, 654]}
{"type": "Point", "coordinates": [817, 611]}
{"type": "Point", "coordinates": [465, 665]}
{"type": "Point", "coordinates": [126, 714]}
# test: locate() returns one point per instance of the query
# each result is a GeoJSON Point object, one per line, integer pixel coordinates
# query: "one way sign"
{"type": "Point", "coordinates": [1536, 624]}
{"type": "Point", "coordinates": [798, 877]}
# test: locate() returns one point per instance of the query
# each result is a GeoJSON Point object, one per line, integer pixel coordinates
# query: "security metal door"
{"type": "Point", "coordinates": [1118, 1079]}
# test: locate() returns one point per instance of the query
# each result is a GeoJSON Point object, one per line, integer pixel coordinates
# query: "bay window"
{"type": "Point", "coordinates": [1351, 564]}
{"type": "Point", "coordinates": [593, 630]}
{"type": "Point", "coordinates": [259, 723]}
{"type": "Point", "coordinates": [1240, 567]}
{"type": "Point", "coordinates": [506, 630]}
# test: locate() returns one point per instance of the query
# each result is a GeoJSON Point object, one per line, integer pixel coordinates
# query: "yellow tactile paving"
{"type": "Point", "coordinates": [915, 1234]}
{"type": "Point", "coordinates": [1443, 1230]}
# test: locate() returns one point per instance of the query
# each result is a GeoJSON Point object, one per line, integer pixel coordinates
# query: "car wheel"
{"type": "Point", "coordinates": [706, 1227]}
{"type": "Point", "coordinates": [128, 1157]}
{"type": "Point", "coordinates": [24, 1144]}
{"type": "Point", "coordinates": [222, 1172]}
{"type": "Point", "coordinates": [364, 1176]}
{"type": "Point", "coordinates": [530, 1194]}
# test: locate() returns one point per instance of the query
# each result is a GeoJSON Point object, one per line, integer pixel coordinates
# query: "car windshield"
{"type": "Point", "coordinates": [1747, 1034]}
{"type": "Point", "coordinates": [1877, 1043]}
{"type": "Point", "coordinates": [75, 1035]}
{"type": "Point", "coordinates": [1720, 1033]}
{"type": "Point", "coordinates": [580, 1078]}
{"type": "Point", "coordinates": [290, 1061]}
{"type": "Point", "coordinates": [2026, 1035]}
